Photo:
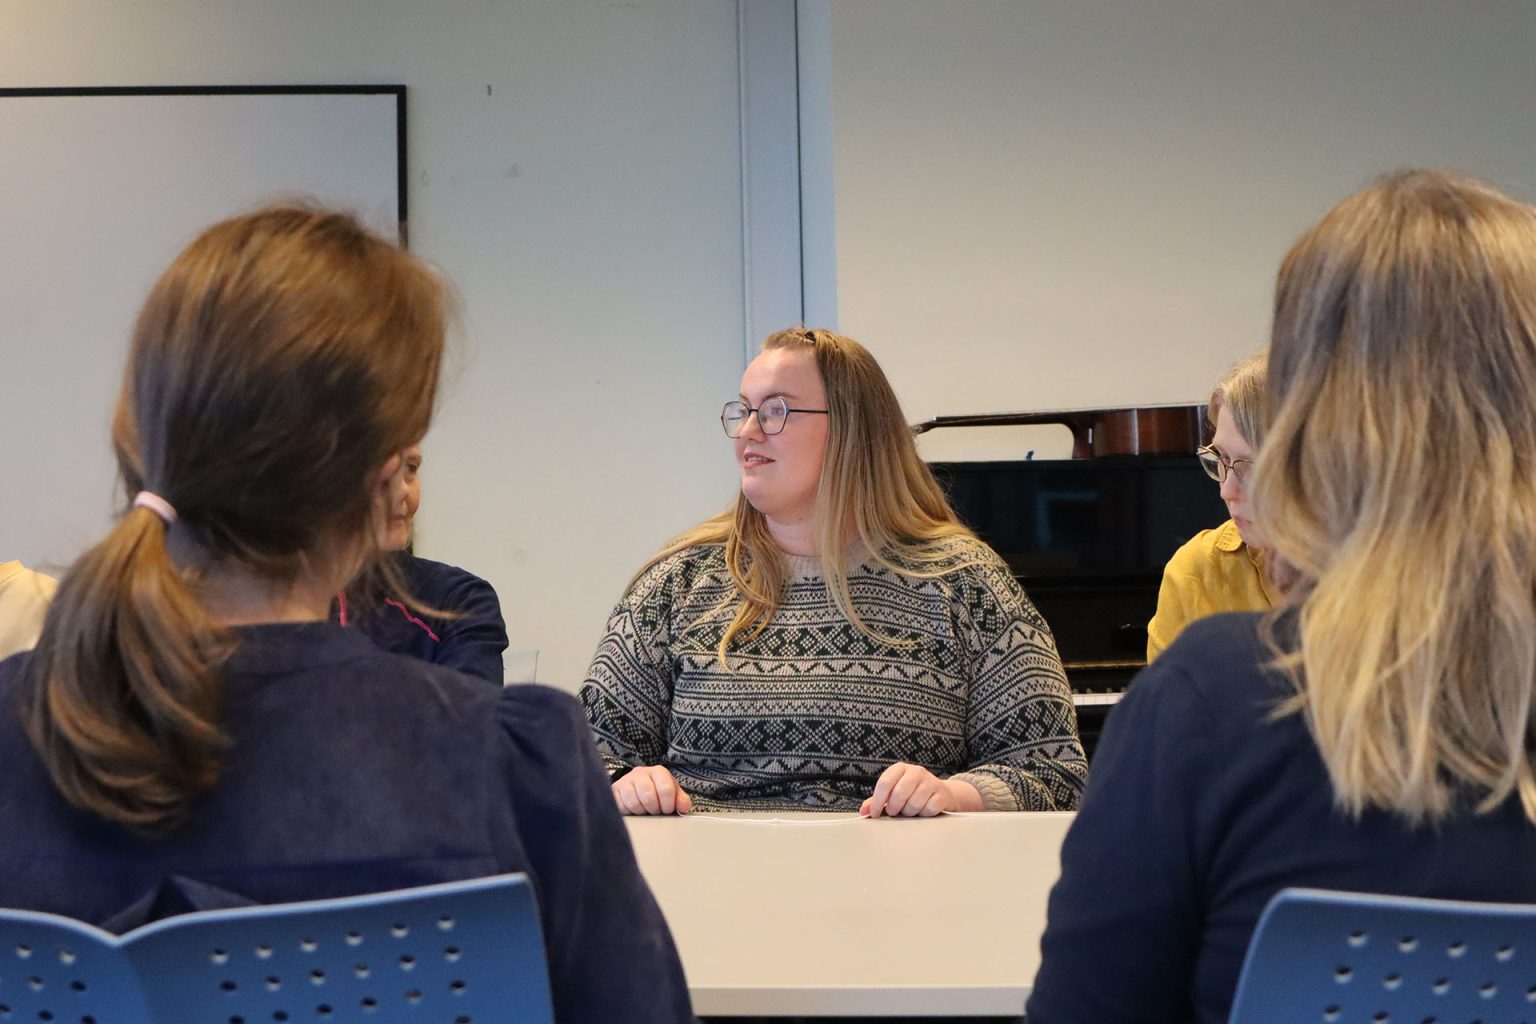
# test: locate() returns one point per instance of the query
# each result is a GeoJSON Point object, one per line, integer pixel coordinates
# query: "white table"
{"type": "Point", "coordinates": [833, 915]}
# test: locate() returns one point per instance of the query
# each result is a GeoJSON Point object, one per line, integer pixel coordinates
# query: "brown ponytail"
{"type": "Point", "coordinates": [277, 364]}
{"type": "Point", "coordinates": [127, 714]}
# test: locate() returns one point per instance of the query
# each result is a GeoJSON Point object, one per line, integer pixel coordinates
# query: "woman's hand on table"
{"type": "Point", "coordinates": [650, 789]}
{"type": "Point", "coordinates": [910, 791]}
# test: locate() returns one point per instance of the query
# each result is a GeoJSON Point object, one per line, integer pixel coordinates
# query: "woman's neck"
{"type": "Point", "coordinates": [793, 538]}
{"type": "Point", "coordinates": [236, 596]}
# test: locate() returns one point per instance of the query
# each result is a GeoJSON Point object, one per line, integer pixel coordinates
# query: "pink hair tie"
{"type": "Point", "coordinates": [156, 504]}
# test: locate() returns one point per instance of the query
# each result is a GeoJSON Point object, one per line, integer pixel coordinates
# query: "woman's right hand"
{"type": "Point", "coordinates": [650, 789]}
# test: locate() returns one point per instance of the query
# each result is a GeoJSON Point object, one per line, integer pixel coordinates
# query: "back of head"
{"type": "Point", "coordinates": [1398, 479]}
{"type": "Point", "coordinates": [276, 366]}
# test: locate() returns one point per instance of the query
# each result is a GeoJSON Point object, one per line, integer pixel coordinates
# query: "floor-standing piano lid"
{"type": "Point", "coordinates": [1132, 430]}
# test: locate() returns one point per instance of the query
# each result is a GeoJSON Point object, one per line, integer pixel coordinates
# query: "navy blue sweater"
{"type": "Point", "coordinates": [1199, 808]}
{"type": "Point", "coordinates": [353, 770]}
{"type": "Point", "coordinates": [473, 642]}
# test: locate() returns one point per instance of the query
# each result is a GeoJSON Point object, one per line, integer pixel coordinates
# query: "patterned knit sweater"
{"type": "Point", "coordinates": [812, 709]}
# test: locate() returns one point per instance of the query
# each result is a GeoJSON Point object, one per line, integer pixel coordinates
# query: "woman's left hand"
{"type": "Point", "coordinates": [910, 790]}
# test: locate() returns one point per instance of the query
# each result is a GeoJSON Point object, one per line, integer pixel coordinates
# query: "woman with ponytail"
{"type": "Point", "coordinates": [191, 731]}
{"type": "Point", "coordinates": [1374, 731]}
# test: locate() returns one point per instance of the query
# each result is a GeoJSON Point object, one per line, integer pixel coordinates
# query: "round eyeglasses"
{"type": "Point", "coordinates": [772, 414]}
{"type": "Point", "coordinates": [1217, 465]}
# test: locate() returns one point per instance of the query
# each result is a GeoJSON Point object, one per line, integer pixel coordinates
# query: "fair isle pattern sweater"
{"type": "Point", "coordinates": [812, 709]}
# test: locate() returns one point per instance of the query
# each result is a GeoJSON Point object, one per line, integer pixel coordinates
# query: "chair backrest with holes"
{"type": "Point", "coordinates": [53, 969]}
{"type": "Point", "coordinates": [468, 952]}
{"type": "Point", "coordinates": [1340, 958]}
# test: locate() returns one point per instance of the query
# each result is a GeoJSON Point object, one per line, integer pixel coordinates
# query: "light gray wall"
{"type": "Point", "coordinates": [1015, 204]}
{"type": "Point", "coordinates": [1055, 203]}
{"type": "Point", "coordinates": [576, 170]}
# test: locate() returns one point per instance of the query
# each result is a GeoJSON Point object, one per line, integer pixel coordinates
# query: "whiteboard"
{"type": "Point", "coordinates": [99, 189]}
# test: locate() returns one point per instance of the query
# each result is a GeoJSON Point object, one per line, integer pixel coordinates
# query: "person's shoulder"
{"type": "Point", "coordinates": [543, 722]}
{"type": "Point", "coordinates": [26, 586]}
{"type": "Point", "coordinates": [325, 669]}
{"type": "Point", "coordinates": [956, 555]}
{"type": "Point", "coordinates": [425, 574]}
{"type": "Point", "coordinates": [969, 564]}
{"type": "Point", "coordinates": [16, 572]}
{"type": "Point", "coordinates": [1224, 661]}
{"type": "Point", "coordinates": [972, 576]}
{"type": "Point", "coordinates": [679, 571]}
{"type": "Point", "coordinates": [1207, 551]}
{"type": "Point", "coordinates": [519, 702]}
{"type": "Point", "coordinates": [411, 676]}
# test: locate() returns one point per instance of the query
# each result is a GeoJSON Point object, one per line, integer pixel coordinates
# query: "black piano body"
{"type": "Point", "coordinates": [1088, 539]}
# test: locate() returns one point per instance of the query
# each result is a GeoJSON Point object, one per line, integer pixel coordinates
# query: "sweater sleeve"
{"type": "Point", "coordinates": [1123, 925]}
{"type": "Point", "coordinates": [474, 642]}
{"type": "Point", "coordinates": [611, 956]}
{"type": "Point", "coordinates": [627, 695]}
{"type": "Point", "coordinates": [1021, 727]}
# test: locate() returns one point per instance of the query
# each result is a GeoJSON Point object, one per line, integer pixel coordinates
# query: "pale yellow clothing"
{"type": "Point", "coordinates": [24, 597]}
{"type": "Point", "coordinates": [1214, 572]}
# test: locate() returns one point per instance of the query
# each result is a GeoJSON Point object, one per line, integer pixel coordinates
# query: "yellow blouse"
{"type": "Point", "coordinates": [24, 597]}
{"type": "Point", "coordinates": [1214, 572]}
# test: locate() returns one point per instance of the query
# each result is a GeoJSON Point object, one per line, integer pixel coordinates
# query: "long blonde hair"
{"type": "Point", "coordinates": [1398, 479]}
{"type": "Point", "coordinates": [277, 364]}
{"type": "Point", "coordinates": [873, 489]}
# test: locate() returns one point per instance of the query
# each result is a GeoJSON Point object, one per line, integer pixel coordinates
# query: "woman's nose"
{"type": "Point", "coordinates": [1231, 487]}
{"type": "Point", "coordinates": [753, 427]}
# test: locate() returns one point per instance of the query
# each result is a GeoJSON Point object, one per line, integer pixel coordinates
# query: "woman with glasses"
{"type": "Point", "coordinates": [836, 640]}
{"type": "Point", "coordinates": [1373, 733]}
{"type": "Point", "coordinates": [1221, 570]}
{"type": "Point", "coordinates": [191, 732]}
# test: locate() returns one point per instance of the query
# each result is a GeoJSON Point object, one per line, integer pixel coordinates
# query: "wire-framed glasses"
{"type": "Point", "coordinates": [771, 416]}
{"type": "Point", "coordinates": [1217, 465]}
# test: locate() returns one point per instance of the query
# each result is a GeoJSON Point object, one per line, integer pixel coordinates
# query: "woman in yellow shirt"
{"type": "Point", "coordinates": [1221, 570]}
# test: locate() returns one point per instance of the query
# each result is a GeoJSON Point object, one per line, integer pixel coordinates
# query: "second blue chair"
{"type": "Point", "coordinates": [1320, 957]}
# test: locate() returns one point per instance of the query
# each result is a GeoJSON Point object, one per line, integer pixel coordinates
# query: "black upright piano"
{"type": "Point", "coordinates": [1088, 537]}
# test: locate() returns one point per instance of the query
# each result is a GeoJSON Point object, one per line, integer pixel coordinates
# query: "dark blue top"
{"type": "Point", "coordinates": [472, 642]}
{"type": "Point", "coordinates": [1199, 808]}
{"type": "Point", "coordinates": [353, 770]}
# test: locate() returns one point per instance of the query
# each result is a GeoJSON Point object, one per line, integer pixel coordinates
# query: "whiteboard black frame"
{"type": "Point", "coordinates": [397, 91]}
{"type": "Point", "coordinates": [54, 547]}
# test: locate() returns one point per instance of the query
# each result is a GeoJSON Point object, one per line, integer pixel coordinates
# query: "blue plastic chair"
{"type": "Point", "coordinates": [459, 953]}
{"type": "Point", "coordinates": [1321, 957]}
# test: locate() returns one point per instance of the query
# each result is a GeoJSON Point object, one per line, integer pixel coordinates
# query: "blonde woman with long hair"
{"type": "Point", "coordinates": [1223, 569]}
{"type": "Point", "coordinates": [1373, 733]}
{"type": "Point", "coordinates": [836, 640]}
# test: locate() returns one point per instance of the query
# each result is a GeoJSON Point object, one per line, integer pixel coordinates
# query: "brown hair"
{"type": "Point", "coordinates": [874, 488]}
{"type": "Point", "coordinates": [1398, 478]}
{"type": "Point", "coordinates": [276, 366]}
